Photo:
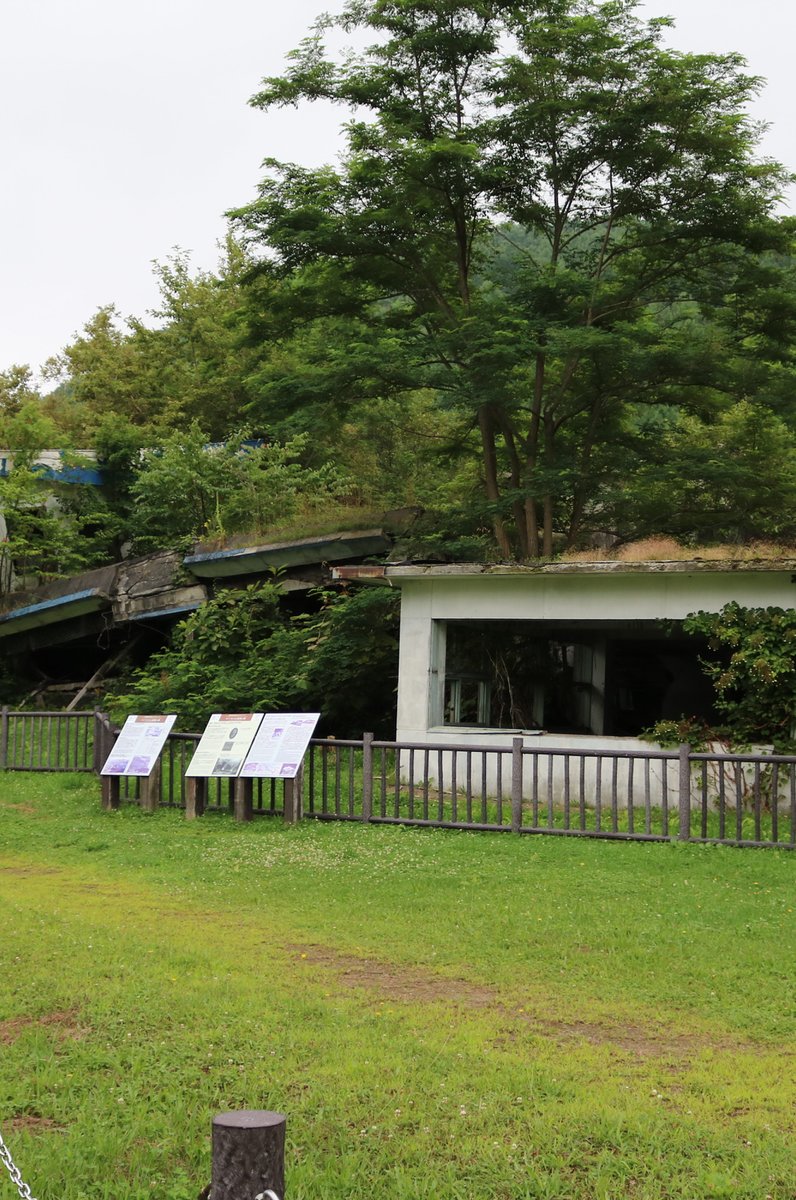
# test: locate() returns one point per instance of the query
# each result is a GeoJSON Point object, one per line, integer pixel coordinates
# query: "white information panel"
{"type": "Point", "coordinates": [224, 744]}
{"type": "Point", "coordinates": [280, 745]}
{"type": "Point", "coordinates": [138, 746]}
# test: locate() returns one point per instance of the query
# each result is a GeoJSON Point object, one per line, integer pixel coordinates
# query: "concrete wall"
{"type": "Point", "coordinates": [591, 594]}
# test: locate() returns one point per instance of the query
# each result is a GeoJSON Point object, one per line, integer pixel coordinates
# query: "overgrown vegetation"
{"type": "Point", "coordinates": [545, 296]}
{"type": "Point", "coordinates": [751, 664]}
{"type": "Point", "coordinates": [187, 488]}
{"type": "Point", "coordinates": [753, 671]}
{"type": "Point", "coordinates": [242, 652]}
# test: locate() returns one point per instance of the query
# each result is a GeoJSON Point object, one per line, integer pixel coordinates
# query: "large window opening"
{"type": "Point", "coordinates": [609, 678]}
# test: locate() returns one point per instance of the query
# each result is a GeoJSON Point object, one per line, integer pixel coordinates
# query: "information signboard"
{"type": "Point", "coordinates": [138, 746]}
{"type": "Point", "coordinates": [279, 746]}
{"type": "Point", "coordinates": [224, 745]}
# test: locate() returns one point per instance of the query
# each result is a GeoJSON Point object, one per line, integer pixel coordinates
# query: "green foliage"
{"type": "Point", "coordinates": [689, 730]}
{"type": "Point", "coordinates": [240, 652]}
{"type": "Point", "coordinates": [191, 366]}
{"type": "Point", "coordinates": [626, 173]}
{"type": "Point", "coordinates": [187, 487]}
{"type": "Point", "coordinates": [107, 374]}
{"type": "Point", "coordinates": [544, 273]}
{"type": "Point", "coordinates": [26, 432]}
{"type": "Point", "coordinates": [729, 479]}
{"type": "Point", "coordinates": [43, 543]}
{"type": "Point", "coordinates": [753, 669]}
{"type": "Point", "coordinates": [16, 390]}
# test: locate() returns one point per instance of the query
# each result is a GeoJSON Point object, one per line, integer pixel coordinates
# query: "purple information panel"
{"type": "Point", "coordinates": [279, 746]}
{"type": "Point", "coordinates": [138, 746]}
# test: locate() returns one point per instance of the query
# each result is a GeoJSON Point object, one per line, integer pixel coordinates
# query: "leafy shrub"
{"type": "Point", "coordinates": [241, 652]}
{"type": "Point", "coordinates": [752, 666]}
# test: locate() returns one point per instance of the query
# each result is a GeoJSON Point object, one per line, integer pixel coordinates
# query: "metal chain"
{"type": "Point", "coordinates": [11, 1167]}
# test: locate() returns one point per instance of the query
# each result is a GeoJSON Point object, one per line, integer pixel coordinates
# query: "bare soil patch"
{"type": "Point", "coordinates": [65, 1024]}
{"type": "Point", "coordinates": [29, 871]}
{"type": "Point", "coordinates": [27, 1122]}
{"type": "Point", "coordinates": [406, 984]}
{"type": "Point", "coordinates": [412, 984]}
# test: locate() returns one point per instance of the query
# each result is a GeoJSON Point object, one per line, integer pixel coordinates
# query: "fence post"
{"type": "Point", "coordinates": [96, 763]}
{"type": "Point", "coordinates": [103, 739]}
{"type": "Point", "coordinates": [684, 793]}
{"type": "Point", "coordinates": [248, 1155]}
{"type": "Point", "coordinates": [4, 738]}
{"type": "Point", "coordinates": [367, 776]}
{"type": "Point", "coordinates": [516, 784]}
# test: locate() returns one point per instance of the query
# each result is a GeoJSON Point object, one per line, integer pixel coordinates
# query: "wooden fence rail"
{"type": "Point", "coordinates": [645, 794]}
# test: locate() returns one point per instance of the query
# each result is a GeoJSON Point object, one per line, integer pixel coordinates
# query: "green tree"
{"type": "Point", "coordinates": [26, 432]}
{"type": "Point", "coordinates": [752, 665]}
{"type": "Point", "coordinates": [732, 479]}
{"type": "Point", "coordinates": [105, 374]}
{"type": "Point", "coordinates": [191, 364]}
{"type": "Point", "coordinates": [188, 488]}
{"type": "Point", "coordinates": [623, 173]}
{"type": "Point", "coordinates": [42, 542]}
{"type": "Point", "coordinates": [17, 390]}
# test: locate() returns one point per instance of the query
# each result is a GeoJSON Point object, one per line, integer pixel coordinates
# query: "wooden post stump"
{"type": "Point", "coordinates": [244, 799]}
{"type": "Point", "coordinates": [294, 798]}
{"type": "Point", "coordinates": [150, 789]}
{"type": "Point", "coordinates": [111, 792]}
{"type": "Point", "coordinates": [248, 1155]}
{"type": "Point", "coordinates": [195, 796]}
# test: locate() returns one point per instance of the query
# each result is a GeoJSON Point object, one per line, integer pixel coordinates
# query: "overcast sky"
{"type": "Point", "coordinates": [125, 132]}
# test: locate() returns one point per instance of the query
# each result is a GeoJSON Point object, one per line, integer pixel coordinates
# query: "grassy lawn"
{"type": "Point", "coordinates": [440, 1014]}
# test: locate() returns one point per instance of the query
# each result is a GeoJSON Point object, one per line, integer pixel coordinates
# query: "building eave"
{"type": "Point", "coordinates": [397, 574]}
{"type": "Point", "coordinates": [49, 612]}
{"type": "Point", "coordinates": [253, 560]}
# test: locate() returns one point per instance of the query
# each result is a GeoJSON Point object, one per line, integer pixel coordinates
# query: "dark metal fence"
{"type": "Point", "coordinates": [657, 795]}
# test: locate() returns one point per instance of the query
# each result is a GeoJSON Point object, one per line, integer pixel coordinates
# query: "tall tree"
{"type": "Point", "coordinates": [622, 171]}
{"type": "Point", "coordinates": [189, 364]}
{"type": "Point", "coordinates": [17, 389]}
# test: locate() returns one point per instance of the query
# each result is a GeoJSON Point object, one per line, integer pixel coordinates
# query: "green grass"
{"type": "Point", "coordinates": [440, 1014]}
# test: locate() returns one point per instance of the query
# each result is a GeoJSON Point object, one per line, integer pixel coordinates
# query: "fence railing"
{"type": "Point", "coordinates": [47, 741]}
{"type": "Point", "coordinates": [654, 794]}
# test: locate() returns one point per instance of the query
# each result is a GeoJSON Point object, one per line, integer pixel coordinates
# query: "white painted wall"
{"type": "Point", "coordinates": [632, 593]}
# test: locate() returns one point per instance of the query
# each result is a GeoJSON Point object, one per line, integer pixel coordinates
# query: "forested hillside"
{"type": "Point", "coordinates": [546, 297]}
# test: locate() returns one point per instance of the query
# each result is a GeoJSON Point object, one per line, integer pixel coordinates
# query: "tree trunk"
{"type": "Point", "coordinates": [487, 430]}
{"type": "Point", "coordinates": [547, 542]}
